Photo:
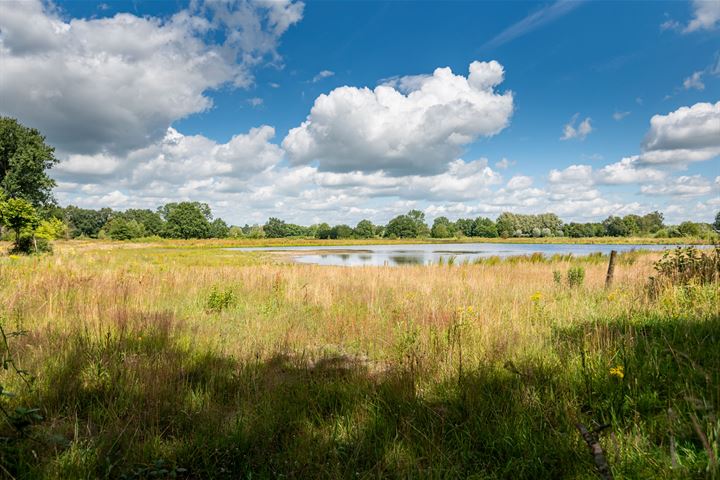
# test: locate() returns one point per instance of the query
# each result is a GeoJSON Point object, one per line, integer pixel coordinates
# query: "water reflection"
{"type": "Point", "coordinates": [427, 254]}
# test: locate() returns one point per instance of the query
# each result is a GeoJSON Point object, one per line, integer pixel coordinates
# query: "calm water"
{"type": "Point", "coordinates": [426, 254]}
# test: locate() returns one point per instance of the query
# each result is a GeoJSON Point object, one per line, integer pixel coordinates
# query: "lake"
{"type": "Point", "coordinates": [433, 253]}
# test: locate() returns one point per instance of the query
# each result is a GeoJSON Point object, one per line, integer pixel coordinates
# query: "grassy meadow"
{"type": "Point", "coordinates": [177, 360]}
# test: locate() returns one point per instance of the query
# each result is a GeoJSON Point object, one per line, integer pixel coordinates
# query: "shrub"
{"type": "Point", "coordinates": [219, 300]}
{"type": "Point", "coordinates": [27, 245]}
{"type": "Point", "coordinates": [687, 265]}
{"type": "Point", "coordinates": [575, 276]}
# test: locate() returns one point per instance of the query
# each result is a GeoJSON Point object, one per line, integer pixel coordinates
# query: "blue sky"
{"type": "Point", "coordinates": [164, 101]}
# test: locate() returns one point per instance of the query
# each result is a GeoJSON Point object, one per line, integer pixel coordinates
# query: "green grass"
{"type": "Point", "coordinates": [160, 362]}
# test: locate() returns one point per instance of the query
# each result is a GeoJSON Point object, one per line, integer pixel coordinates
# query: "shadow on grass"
{"type": "Point", "coordinates": [138, 404]}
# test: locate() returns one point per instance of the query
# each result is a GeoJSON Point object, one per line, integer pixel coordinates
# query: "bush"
{"type": "Point", "coordinates": [683, 266]}
{"type": "Point", "coordinates": [575, 276]}
{"type": "Point", "coordinates": [219, 300]}
{"type": "Point", "coordinates": [28, 245]}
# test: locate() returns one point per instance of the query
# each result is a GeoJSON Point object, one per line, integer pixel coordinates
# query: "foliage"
{"type": "Point", "coordinates": [51, 229]}
{"type": "Point", "coordinates": [575, 276]}
{"type": "Point", "coordinates": [341, 232]}
{"type": "Point", "coordinates": [516, 225]}
{"type": "Point", "coordinates": [19, 215]}
{"type": "Point", "coordinates": [686, 265]}
{"type": "Point", "coordinates": [220, 299]}
{"type": "Point", "coordinates": [186, 220]}
{"type": "Point", "coordinates": [24, 161]}
{"type": "Point", "coordinates": [86, 222]}
{"type": "Point", "coordinates": [219, 229]}
{"type": "Point", "coordinates": [486, 228]}
{"type": "Point", "coordinates": [411, 225]}
{"type": "Point", "coordinates": [364, 229]}
{"type": "Point", "coordinates": [122, 228]}
{"type": "Point", "coordinates": [442, 228]}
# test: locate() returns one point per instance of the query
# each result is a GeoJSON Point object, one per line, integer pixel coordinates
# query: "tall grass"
{"type": "Point", "coordinates": [168, 362]}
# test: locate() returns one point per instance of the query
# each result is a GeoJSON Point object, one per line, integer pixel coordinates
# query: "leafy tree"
{"type": "Point", "coordinates": [86, 222]}
{"type": "Point", "coordinates": [219, 229]}
{"type": "Point", "coordinates": [275, 228]}
{"type": "Point", "coordinates": [689, 229]}
{"type": "Point", "coordinates": [20, 216]}
{"type": "Point", "coordinates": [465, 226]}
{"type": "Point", "coordinates": [418, 218]}
{"type": "Point", "coordinates": [323, 231]}
{"type": "Point", "coordinates": [24, 159]}
{"type": "Point", "coordinates": [364, 229]}
{"type": "Point", "coordinates": [51, 229]}
{"type": "Point", "coordinates": [122, 228]}
{"type": "Point", "coordinates": [401, 226]}
{"type": "Point", "coordinates": [616, 227]}
{"type": "Point", "coordinates": [151, 221]}
{"type": "Point", "coordinates": [186, 220]}
{"type": "Point", "coordinates": [651, 222]}
{"type": "Point", "coordinates": [442, 228]}
{"type": "Point", "coordinates": [341, 231]}
{"type": "Point", "coordinates": [484, 227]}
{"type": "Point", "coordinates": [716, 224]}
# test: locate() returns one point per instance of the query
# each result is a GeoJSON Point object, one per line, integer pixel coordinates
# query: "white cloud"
{"type": "Point", "coordinates": [684, 186]}
{"type": "Point", "coordinates": [574, 174]}
{"type": "Point", "coordinates": [627, 170]}
{"type": "Point", "coordinates": [694, 81]}
{"type": "Point", "coordinates": [505, 163]}
{"type": "Point", "coordinates": [617, 116]}
{"type": "Point", "coordinates": [689, 134]}
{"type": "Point", "coordinates": [255, 101]}
{"type": "Point", "coordinates": [570, 131]}
{"type": "Point", "coordinates": [519, 182]}
{"type": "Point", "coordinates": [322, 74]}
{"type": "Point", "coordinates": [383, 129]}
{"type": "Point", "coordinates": [706, 15]}
{"type": "Point", "coordinates": [115, 84]}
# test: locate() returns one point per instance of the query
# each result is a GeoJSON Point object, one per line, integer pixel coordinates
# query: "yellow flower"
{"type": "Point", "coordinates": [535, 297]}
{"type": "Point", "coordinates": [618, 372]}
{"type": "Point", "coordinates": [611, 297]}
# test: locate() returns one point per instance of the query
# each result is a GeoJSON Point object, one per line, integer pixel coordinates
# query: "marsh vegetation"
{"type": "Point", "coordinates": [179, 362]}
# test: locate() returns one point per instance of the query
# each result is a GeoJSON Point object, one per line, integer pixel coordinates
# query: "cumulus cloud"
{"type": "Point", "coordinates": [706, 15]}
{"type": "Point", "coordinates": [627, 170]}
{"type": "Point", "coordinates": [684, 186]}
{"type": "Point", "coordinates": [689, 134]}
{"type": "Point", "coordinates": [384, 129]}
{"type": "Point", "coordinates": [115, 84]}
{"type": "Point", "coordinates": [577, 174]}
{"type": "Point", "coordinates": [519, 182]}
{"type": "Point", "coordinates": [579, 132]}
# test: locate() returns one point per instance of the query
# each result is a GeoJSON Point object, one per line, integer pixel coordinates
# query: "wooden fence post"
{"type": "Point", "coordinates": [611, 269]}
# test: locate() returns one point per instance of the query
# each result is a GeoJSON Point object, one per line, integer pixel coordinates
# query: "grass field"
{"type": "Point", "coordinates": [166, 360]}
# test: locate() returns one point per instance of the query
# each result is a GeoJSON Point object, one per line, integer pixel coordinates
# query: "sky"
{"type": "Point", "coordinates": [340, 111]}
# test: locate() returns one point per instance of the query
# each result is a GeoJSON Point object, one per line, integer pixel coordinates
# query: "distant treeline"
{"type": "Point", "coordinates": [195, 220]}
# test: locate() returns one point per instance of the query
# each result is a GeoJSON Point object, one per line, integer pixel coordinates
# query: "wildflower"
{"type": "Point", "coordinates": [470, 309]}
{"type": "Point", "coordinates": [535, 297]}
{"type": "Point", "coordinates": [611, 297]}
{"type": "Point", "coordinates": [618, 371]}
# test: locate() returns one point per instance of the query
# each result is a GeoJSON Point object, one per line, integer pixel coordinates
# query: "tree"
{"type": "Point", "coordinates": [689, 229]}
{"type": "Point", "coordinates": [275, 228]}
{"type": "Point", "coordinates": [24, 159]}
{"type": "Point", "coordinates": [616, 227]}
{"type": "Point", "coordinates": [151, 221]}
{"type": "Point", "coordinates": [219, 229]}
{"type": "Point", "coordinates": [442, 228]}
{"type": "Point", "coordinates": [121, 228]}
{"type": "Point", "coordinates": [465, 226]}
{"type": "Point", "coordinates": [323, 231]}
{"type": "Point", "coordinates": [401, 226]}
{"type": "Point", "coordinates": [186, 220]}
{"type": "Point", "coordinates": [20, 216]}
{"type": "Point", "coordinates": [364, 229]}
{"type": "Point", "coordinates": [418, 218]}
{"type": "Point", "coordinates": [341, 231]}
{"type": "Point", "coordinates": [651, 222]}
{"type": "Point", "coordinates": [716, 224]}
{"type": "Point", "coordinates": [86, 222]}
{"type": "Point", "coordinates": [484, 227]}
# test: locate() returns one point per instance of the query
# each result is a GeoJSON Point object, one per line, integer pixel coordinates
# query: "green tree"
{"type": "Point", "coordinates": [20, 216]}
{"type": "Point", "coordinates": [86, 222]}
{"type": "Point", "coordinates": [401, 226]}
{"type": "Point", "coordinates": [151, 221]}
{"type": "Point", "coordinates": [275, 228]}
{"type": "Point", "coordinates": [122, 228]}
{"type": "Point", "coordinates": [323, 231]}
{"type": "Point", "coordinates": [186, 220]}
{"type": "Point", "coordinates": [484, 227]}
{"type": "Point", "coordinates": [689, 229]}
{"type": "Point", "coordinates": [442, 228]}
{"type": "Point", "coordinates": [418, 218]}
{"type": "Point", "coordinates": [341, 231]}
{"type": "Point", "coordinates": [24, 161]}
{"type": "Point", "coordinates": [465, 226]}
{"type": "Point", "coordinates": [616, 227]}
{"type": "Point", "coordinates": [364, 229]}
{"type": "Point", "coordinates": [219, 229]}
{"type": "Point", "coordinates": [716, 224]}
